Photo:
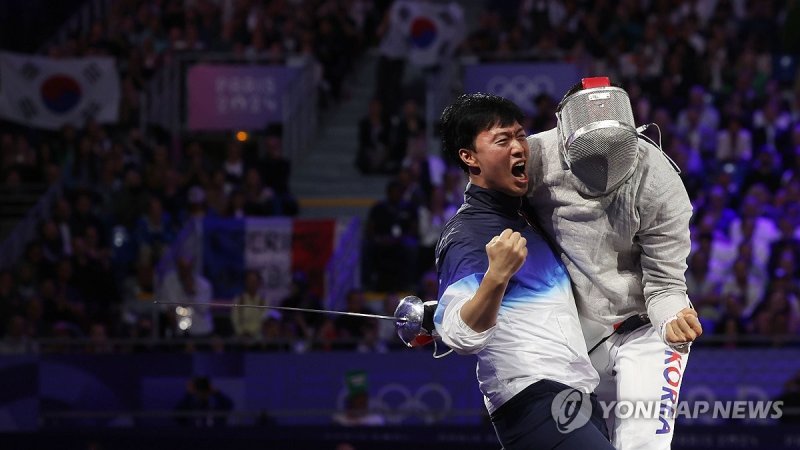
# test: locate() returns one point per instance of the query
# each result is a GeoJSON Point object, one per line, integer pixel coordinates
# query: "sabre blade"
{"type": "Point", "coordinates": [286, 308]}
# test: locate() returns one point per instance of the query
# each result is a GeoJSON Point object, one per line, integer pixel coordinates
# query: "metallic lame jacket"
{"type": "Point", "coordinates": [625, 251]}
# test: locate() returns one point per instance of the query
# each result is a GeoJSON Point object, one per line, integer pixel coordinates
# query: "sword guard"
{"type": "Point", "coordinates": [417, 329]}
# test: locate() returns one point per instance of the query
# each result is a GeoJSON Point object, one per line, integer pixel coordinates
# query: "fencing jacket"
{"type": "Point", "coordinates": [537, 335]}
{"type": "Point", "coordinates": [625, 251]}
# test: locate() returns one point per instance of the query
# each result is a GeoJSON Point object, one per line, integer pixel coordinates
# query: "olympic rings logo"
{"type": "Point", "coordinates": [521, 89]}
{"type": "Point", "coordinates": [430, 402]}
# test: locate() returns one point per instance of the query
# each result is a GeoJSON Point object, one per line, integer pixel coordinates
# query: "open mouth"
{"type": "Point", "coordinates": [518, 170]}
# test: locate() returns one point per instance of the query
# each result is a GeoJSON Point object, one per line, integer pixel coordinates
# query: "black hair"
{"type": "Point", "coordinates": [575, 88]}
{"type": "Point", "coordinates": [470, 114]}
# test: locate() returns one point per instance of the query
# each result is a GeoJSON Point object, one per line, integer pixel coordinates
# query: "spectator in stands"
{"type": "Point", "coordinates": [428, 288]}
{"type": "Point", "coordinates": [423, 166]}
{"type": "Point", "coordinates": [745, 284]}
{"type": "Point", "coordinates": [66, 309]}
{"type": "Point", "coordinates": [390, 242]}
{"type": "Point", "coordinates": [715, 210]}
{"type": "Point", "coordinates": [732, 329]}
{"type": "Point", "coordinates": [791, 400]}
{"type": "Point", "coordinates": [216, 193]}
{"type": "Point", "coordinates": [357, 410]}
{"type": "Point", "coordinates": [352, 328]}
{"type": "Point", "coordinates": [704, 289]}
{"type": "Point", "coordinates": [734, 143]}
{"type": "Point", "coordinates": [785, 249]}
{"type": "Point", "coordinates": [777, 316]}
{"type": "Point", "coordinates": [373, 140]}
{"type": "Point", "coordinates": [173, 197]}
{"type": "Point", "coordinates": [276, 170]}
{"type": "Point", "coordinates": [138, 293]}
{"type": "Point", "coordinates": [432, 217]}
{"type": "Point", "coordinates": [83, 216]}
{"type": "Point", "coordinates": [233, 165]}
{"type": "Point", "coordinates": [707, 114]}
{"type": "Point", "coordinates": [413, 186]}
{"type": "Point", "coordinates": [325, 339]}
{"type": "Point", "coordinates": [62, 214]}
{"type": "Point", "coordinates": [81, 166]}
{"type": "Point", "coordinates": [25, 281]}
{"type": "Point", "coordinates": [130, 202]}
{"type": "Point", "coordinates": [154, 231]}
{"type": "Point", "coordinates": [52, 244]}
{"type": "Point", "coordinates": [259, 200]}
{"type": "Point", "coordinates": [203, 405]}
{"type": "Point", "coordinates": [18, 337]}
{"type": "Point", "coordinates": [92, 276]}
{"type": "Point", "coordinates": [545, 116]}
{"type": "Point", "coordinates": [247, 321]}
{"type": "Point", "coordinates": [183, 285]}
{"type": "Point", "coordinates": [236, 205]}
{"type": "Point", "coordinates": [698, 135]}
{"type": "Point", "coordinates": [195, 167]}
{"type": "Point", "coordinates": [34, 257]}
{"type": "Point", "coordinates": [371, 340]}
{"type": "Point", "coordinates": [18, 156]}
{"type": "Point", "coordinates": [272, 335]}
{"type": "Point", "coordinates": [386, 329]}
{"type": "Point", "coordinates": [407, 129]}
{"type": "Point", "coordinates": [791, 164]}
{"type": "Point", "coordinates": [98, 340]}
{"type": "Point", "coordinates": [454, 183]}
{"type": "Point", "coordinates": [155, 172]}
{"type": "Point", "coordinates": [335, 45]}
{"type": "Point", "coordinates": [756, 229]}
{"type": "Point", "coordinates": [765, 170]}
{"type": "Point", "coordinates": [197, 210]}
{"type": "Point", "coordinates": [305, 326]}
{"type": "Point", "coordinates": [772, 126]}
{"type": "Point", "coordinates": [393, 50]}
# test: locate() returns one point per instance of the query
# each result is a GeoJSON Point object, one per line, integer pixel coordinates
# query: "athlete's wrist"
{"type": "Point", "coordinates": [496, 277]}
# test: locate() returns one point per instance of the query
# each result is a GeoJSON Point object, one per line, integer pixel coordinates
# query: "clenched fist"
{"type": "Point", "coordinates": [506, 253]}
{"type": "Point", "coordinates": [686, 328]}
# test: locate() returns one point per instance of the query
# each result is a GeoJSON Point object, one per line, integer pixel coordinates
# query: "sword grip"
{"type": "Point", "coordinates": [427, 317]}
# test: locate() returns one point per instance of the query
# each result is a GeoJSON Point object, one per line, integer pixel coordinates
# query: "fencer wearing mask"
{"type": "Point", "coordinates": [613, 204]}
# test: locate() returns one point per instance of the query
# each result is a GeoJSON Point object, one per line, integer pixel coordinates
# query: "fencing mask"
{"type": "Point", "coordinates": [597, 135]}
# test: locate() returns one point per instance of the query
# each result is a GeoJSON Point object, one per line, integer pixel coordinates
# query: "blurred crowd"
{"type": "Point", "coordinates": [129, 192]}
{"type": "Point", "coordinates": [718, 77]}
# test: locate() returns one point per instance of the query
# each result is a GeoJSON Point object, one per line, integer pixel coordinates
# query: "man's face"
{"type": "Point", "coordinates": [499, 160]}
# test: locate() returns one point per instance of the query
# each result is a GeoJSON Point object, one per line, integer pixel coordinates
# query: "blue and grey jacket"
{"type": "Point", "coordinates": [537, 335]}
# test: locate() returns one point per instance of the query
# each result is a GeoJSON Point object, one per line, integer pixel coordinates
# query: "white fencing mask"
{"type": "Point", "coordinates": [597, 135]}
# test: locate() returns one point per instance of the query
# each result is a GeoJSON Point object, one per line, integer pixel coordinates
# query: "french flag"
{"type": "Point", "coordinates": [276, 247]}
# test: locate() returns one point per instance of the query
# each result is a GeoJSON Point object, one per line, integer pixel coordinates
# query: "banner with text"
{"type": "Point", "coordinates": [230, 97]}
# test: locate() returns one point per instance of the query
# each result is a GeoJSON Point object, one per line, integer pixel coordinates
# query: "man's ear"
{"type": "Point", "coordinates": [468, 156]}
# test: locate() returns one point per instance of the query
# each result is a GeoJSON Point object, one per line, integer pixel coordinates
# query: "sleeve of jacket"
{"type": "Point", "coordinates": [461, 269]}
{"type": "Point", "coordinates": [665, 212]}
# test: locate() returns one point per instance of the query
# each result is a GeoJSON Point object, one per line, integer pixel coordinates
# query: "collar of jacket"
{"type": "Point", "coordinates": [493, 200]}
